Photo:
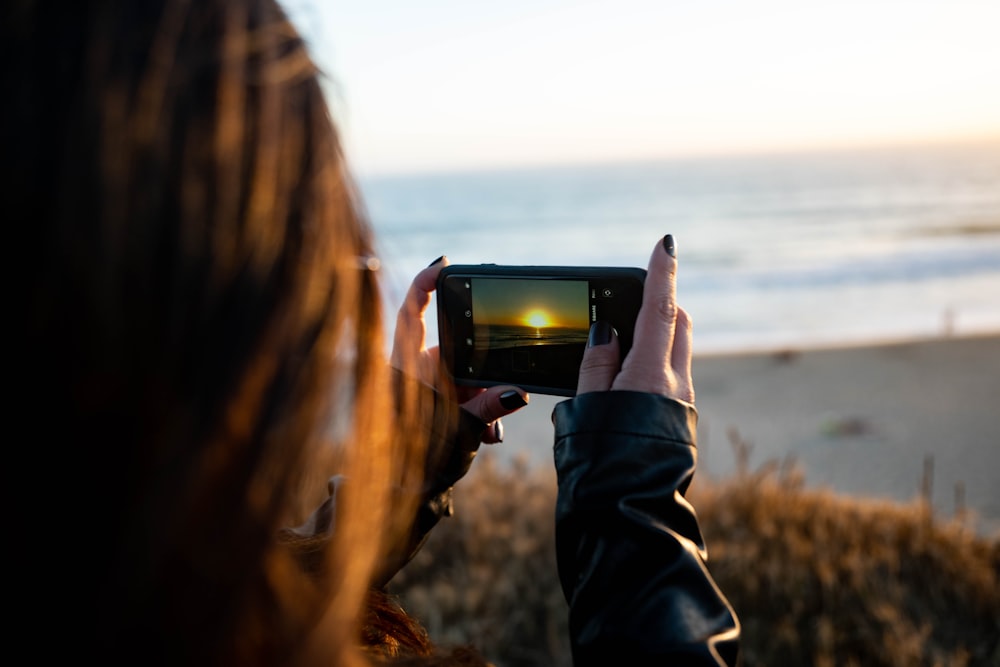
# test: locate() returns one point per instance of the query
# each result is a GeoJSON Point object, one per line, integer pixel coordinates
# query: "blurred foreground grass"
{"type": "Point", "coordinates": [816, 578]}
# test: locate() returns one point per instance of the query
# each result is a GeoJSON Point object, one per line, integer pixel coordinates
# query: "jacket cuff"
{"type": "Point", "coordinates": [627, 412]}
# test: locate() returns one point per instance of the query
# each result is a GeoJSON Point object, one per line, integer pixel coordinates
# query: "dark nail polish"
{"type": "Point", "coordinates": [511, 399]}
{"type": "Point", "coordinates": [668, 244]}
{"type": "Point", "coordinates": [498, 431]}
{"type": "Point", "coordinates": [600, 333]}
{"type": "Point", "coordinates": [435, 261]}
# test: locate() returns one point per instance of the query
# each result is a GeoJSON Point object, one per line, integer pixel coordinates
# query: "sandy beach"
{"type": "Point", "coordinates": [863, 421]}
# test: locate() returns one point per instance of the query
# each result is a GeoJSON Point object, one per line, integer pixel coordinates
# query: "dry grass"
{"type": "Point", "coordinates": [816, 578]}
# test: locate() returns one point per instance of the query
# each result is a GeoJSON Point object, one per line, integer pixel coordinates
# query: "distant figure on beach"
{"type": "Point", "coordinates": [198, 364]}
{"type": "Point", "coordinates": [948, 322]}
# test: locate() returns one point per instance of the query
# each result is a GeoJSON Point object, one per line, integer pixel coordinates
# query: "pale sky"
{"type": "Point", "coordinates": [442, 84]}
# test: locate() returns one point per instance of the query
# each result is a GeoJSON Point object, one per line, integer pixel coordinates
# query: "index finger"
{"type": "Point", "coordinates": [409, 339]}
{"type": "Point", "coordinates": [647, 365]}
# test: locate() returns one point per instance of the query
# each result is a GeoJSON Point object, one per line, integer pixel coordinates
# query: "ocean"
{"type": "Point", "coordinates": [776, 252]}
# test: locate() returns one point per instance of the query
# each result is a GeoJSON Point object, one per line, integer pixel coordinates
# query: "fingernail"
{"type": "Point", "coordinates": [511, 399]}
{"type": "Point", "coordinates": [435, 261]}
{"type": "Point", "coordinates": [498, 431]}
{"type": "Point", "coordinates": [600, 333]}
{"type": "Point", "coordinates": [668, 245]}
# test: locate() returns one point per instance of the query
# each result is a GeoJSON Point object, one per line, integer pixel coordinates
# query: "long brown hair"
{"type": "Point", "coordinates": [199, 336]}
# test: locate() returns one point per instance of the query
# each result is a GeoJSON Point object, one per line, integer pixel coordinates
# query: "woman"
{"type": "Point", "coordinates": [198, 347]}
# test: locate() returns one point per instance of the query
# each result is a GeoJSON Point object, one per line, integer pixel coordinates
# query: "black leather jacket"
{"type": "Point", "coordinates": [630, 552]}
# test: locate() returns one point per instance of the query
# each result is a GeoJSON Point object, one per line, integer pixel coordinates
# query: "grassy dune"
{"type": "Point", "coordinates": [816, 578]}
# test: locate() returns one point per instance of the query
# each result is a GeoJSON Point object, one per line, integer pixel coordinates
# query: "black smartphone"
{"type": "Point", "coordinates": [528, 325]}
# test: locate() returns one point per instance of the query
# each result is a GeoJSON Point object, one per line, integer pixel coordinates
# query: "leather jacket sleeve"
{"type": "Point", "coordinates": [453, 440]}
{"type": "Point", "coordinates": [630, 553]}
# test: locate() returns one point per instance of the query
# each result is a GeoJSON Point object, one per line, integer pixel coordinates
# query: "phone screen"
{"type": "Point", "coordinates": [530, 331]}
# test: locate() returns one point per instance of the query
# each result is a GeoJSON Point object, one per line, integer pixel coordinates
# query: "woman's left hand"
{"type": "Point", "coordinates": [411, 355]}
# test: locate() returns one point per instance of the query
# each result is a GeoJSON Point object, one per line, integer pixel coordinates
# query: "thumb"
{"type": "Point", "coordinates": [601, 360]}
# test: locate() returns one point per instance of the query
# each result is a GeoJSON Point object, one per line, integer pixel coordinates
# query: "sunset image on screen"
{"type": "Point", "coordinates": [538, 319]}
{"type": "Point", "coordinates": [510, 312]}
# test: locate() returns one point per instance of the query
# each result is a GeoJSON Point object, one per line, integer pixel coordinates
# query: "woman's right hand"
{"type": "Point", "coordinates": [660, 359]}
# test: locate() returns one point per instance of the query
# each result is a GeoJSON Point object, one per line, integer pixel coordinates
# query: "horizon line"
{"type": "Point", "coordinates": [958, 141]}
